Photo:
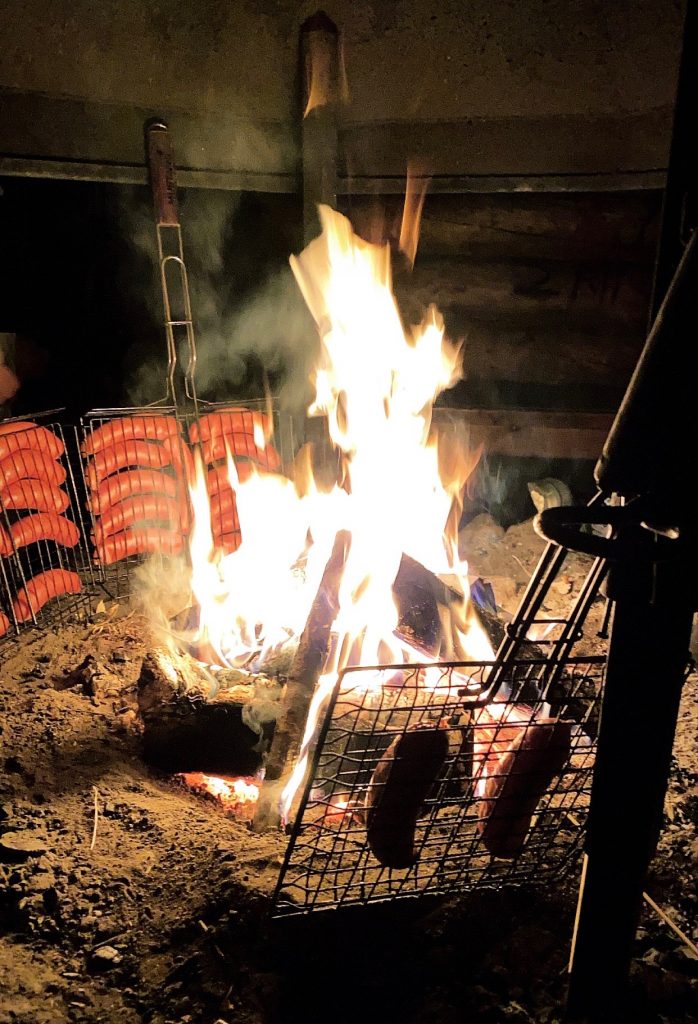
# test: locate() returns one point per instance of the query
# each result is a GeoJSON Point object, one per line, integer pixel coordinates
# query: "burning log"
{"type": "Point", "coordinates": [303, 678]}
{"type": "Point", "coordinates": [184, 731]}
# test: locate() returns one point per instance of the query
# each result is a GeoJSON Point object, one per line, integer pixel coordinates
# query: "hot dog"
{"type": "Point", "coordinates": [144, 540]}
{"type": "Point", "coordinates": [126, 453]}
{"type": "Point", "coordinates": [34, 494]}
{"type": "Point", "coordinates": [30, 463]}
{"type": "Point", "coordinates": [43, 588]}
{"type": "Point", "coordinates": [218, 481]}
{"type": "Point", "coordinates": [401, 782]}
{"type": "Point", "coordinates": [153, 428]}
{"type": "Point", "coordinates": [228, 542]}
{"type": "Point", "coordinates": [44, 526]}
{"type": "Point", "coordinates": [31, 436]}
{"type": "Point", "coordinates": [140, 508]}
{"type": "Point", "coordinates": [5, 543]}
{"type": "Point", "coordinates": [228, 421]}
{"type": "Point", "coordinates": [134, 481]}
{"type": "Point", "coordinates": [239, 445]}
{"type": "Point", "coordinates": [11, 428]}
{"type": "Point", "coordinates": [224, 523]}
{"type": "Point", "coordinates": [4, 624]}
{"type": "Point", "coordinates": [518, 781]}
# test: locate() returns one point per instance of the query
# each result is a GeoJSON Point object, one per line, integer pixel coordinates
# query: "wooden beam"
{"type": "Point", "coordinates": [522, 226]}
{"type": "Point", "coordinates": [528, 433]}
{"type": "Point", "coordinates": [580, 296]}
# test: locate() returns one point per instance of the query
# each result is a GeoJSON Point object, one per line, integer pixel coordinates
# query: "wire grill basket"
{"type": "Point", "coordinates": [43, 536]}
{"type": "Point", "coordinates": [504, 801]}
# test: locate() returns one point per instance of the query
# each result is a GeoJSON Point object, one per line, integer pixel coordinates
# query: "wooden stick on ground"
{"type": "Point", "coordinates": [303, 678]}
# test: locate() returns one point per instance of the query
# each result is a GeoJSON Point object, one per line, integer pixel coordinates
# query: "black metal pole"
{"type": "Point", "coordinates": [647, 658]}
{"type": "Point", "coordinates": [653, 586]}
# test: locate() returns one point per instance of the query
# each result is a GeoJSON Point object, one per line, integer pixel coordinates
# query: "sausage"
{"type": "Point", "coordinates": [226, 522]}
{"type": "Point", "coordinates": [30, 463]}
{"type": "Point", "coordinates": [239, 445]}
{"type": "Point", "coordinates": [44, 526]}
{"type": "Point", "coordinates": [11, 428]}
{"type": "Point", "coordinates": [4, 623]}
{"type": "Point", "coordinates": [31, 436]}
{"type": "Point", "coordinates": [140, 508]}
{"type": "Point", "coordinates": [401, 782]}
{"type": "Point", "coordinates": [37, 495]}
{"type": "Point", "coordinates": [145, 540]}
{"type": "Point", "coordinates": [228, 542]}
{"type": "Point", "coordinates": [126, 453]}
{"type": "Point", "coordinates": [222, 502]}
{"type": "Point", "coordinates": [228, 421]}
{"type": "Point", "coordinates": [129, 428]}
{"type": "Point", "coordinates": [41, 589]}
{"type": "Point", "coordinates": [134, 481]}
{"type": "Point", "coordinates": [518, 781]}
{"type": "Point", "coordinates": [5, 543]}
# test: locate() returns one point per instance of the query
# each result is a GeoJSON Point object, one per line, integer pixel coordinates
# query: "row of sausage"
{"type": "Point", "coordinates": [137, 470]}
{"type": "Point", "coordinates": [32, 476]}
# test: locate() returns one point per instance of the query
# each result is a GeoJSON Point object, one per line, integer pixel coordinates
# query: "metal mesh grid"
{"type": "Point", "coordinates": [493, 807]}
{"type": "Point", "coordinates": [43, 537]}
{"type": "Point", "coordinates": [122, 492]}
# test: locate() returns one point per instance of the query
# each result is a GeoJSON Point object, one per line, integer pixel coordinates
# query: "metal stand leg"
{"type": "Point", "coordinates": [647, 661]}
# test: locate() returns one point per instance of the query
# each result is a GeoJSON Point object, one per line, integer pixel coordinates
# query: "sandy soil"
{"type": "Point", "coordinates": [161, 915]}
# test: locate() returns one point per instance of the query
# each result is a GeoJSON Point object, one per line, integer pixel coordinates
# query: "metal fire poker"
{"type": "Point", "coordinates": [653, 583]}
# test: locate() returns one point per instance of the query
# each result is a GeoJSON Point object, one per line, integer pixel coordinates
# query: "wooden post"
{"type": "Point", "coordinates": [303, 678]}
{"type": "Point", "coordinates": [320, 77]}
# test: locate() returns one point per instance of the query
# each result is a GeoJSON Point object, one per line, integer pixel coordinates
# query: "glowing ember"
{"type": "Point", "coordinates": [236, 795]}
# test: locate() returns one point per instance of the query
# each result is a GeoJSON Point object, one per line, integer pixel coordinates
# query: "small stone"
{"type": "Point", "coordinates": [119, 654]}
{"type": "Point", "coordinates": [106, 956]}
{"type": "Point", "coordinates": [17, 846]}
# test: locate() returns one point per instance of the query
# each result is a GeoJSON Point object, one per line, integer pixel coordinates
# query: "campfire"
{"type": "Point", "coordinates": [286, 570]}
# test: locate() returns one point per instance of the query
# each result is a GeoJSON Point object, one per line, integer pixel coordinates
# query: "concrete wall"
{"type": "Point", "coordinates": [229, 67]}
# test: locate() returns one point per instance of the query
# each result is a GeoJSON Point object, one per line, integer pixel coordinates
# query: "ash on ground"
{"type": "Point", "coordinates": [160, 914]}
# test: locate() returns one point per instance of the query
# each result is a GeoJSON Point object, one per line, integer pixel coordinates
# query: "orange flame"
{"type": "Point", "coordinates": [397, 491]}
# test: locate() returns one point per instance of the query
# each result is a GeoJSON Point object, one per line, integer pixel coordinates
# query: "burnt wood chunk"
{"type": "Point", "coordinates": [183, 731]}
{"type": "Point", "coordinates": [303, 678]}
{"type": "Point", "coordinates": [403, 779]}
{"type": "Point", "coordinates": [517, 781]}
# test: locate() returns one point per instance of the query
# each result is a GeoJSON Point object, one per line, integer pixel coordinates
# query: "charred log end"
{"type": "Point", "coordinates": [185, 732]}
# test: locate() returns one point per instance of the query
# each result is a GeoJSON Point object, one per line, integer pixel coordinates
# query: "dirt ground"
{"type": "Point", "coordinates": [159, 913]}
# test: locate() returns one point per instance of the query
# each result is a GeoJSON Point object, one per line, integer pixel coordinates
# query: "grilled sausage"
{"type": "Point", "coordinates": [218, 482]}
{"type": "Point", "coordinates": [140, 508]}
{"type": "Point", "coordinates": [227, 421]}
{"type": "Point", "coordinates": [4, 624]}
{"type": "Point", "coordinates": [239, 445]}
{"type": "Point", "coordinates": [31, 463]}
{"type": "Point", "coordinates": [44, 526]}
{"type": "Point", "coordinates": [122, 454]}
{"type": "Point", "coordinates": [401, 782]}
{"type": "Point", "coordinates": [225, 523]}
{"type": "Point", "coordinates": [132, 482]}
{"type": "Point", "coordinates": [31, 436]}
{"type": "Point", "coordinates": [37, 495]}
{"type": "Point", "coordinates": [144, 540]}
{"type": "Point", "coordinates": [5, 543]}
{"type": "Point", "coordinates": [41, 589]}
{"type": "Point", "coordinates": [130, 428]}
{"type": "Point", "coordinates": [228, 542]}
{"type": "Point", "coordinates": [11, 428]}
{"type": "Point", "coordinates": [518, 781]}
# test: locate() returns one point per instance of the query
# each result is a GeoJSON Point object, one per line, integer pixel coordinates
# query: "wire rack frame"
{"type": "Point", "coordinates": [488, 711]}
{"type": "Point", "coordinates": [117, 574]}
{"type": "Point", "coordinates": [30, 486]}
